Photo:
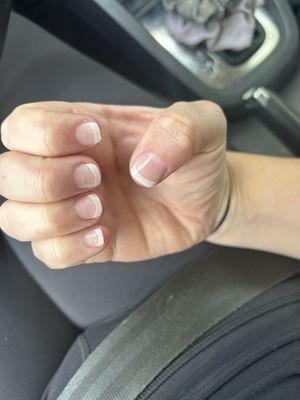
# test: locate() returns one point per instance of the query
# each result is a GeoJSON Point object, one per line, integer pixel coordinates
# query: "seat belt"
{"type": "Point", "coordinates": [192, 302]}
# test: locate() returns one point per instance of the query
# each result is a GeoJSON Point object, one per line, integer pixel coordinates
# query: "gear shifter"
{"type": "Point", "coordinates": [131, 37]}
{"type": "Point", "coordinates": [270, 109]}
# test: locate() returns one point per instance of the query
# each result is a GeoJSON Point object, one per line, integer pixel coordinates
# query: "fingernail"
{"type": "Point", "coordinates": [148, 169]}
{"type": "Point", "coordinates": [88, 134]}
{"type": "Point", "coordinates": [94, 238]}
{"type": "Point", "coordinates": [89, 207]}
{"type": "Point", "coordinates": [87, 176]}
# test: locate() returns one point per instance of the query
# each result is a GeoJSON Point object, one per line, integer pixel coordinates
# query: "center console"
{"type": "Point", "coordinates": [216, 70]}
{"type": "Point", "coordinates": [131, 37]}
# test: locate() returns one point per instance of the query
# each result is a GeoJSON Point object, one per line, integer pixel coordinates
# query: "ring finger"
{"type": "Point", "coordinates": [29, 221]}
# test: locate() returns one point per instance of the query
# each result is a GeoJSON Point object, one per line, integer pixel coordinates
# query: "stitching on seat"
{"type": "Point", "coordinates": [86, 351]}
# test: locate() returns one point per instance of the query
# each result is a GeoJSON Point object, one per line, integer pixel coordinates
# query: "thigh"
{"type": "Point", "coordinates": [34, 335]}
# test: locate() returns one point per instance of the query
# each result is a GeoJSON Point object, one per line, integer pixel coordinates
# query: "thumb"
{"type": "Point", "coordinates": [176, 135]}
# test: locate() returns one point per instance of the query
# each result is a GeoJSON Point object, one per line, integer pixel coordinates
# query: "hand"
{"type": "Point", "coordinates": [164, 181]}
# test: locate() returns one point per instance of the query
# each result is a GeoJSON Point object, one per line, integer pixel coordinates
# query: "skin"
{"type": "Point", "coordinates": [137, 222]}
{"type": "Point", "coordinates": [265, 208]}
{"type": "Point", "coordinates": [183, 207]}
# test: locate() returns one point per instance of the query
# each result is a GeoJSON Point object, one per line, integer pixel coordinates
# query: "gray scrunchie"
{"type": "Point", "coordinates": [200, 10]}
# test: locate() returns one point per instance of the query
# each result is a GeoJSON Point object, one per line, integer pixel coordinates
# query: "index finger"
{"type": "Point", "coordinates": [43, 132]}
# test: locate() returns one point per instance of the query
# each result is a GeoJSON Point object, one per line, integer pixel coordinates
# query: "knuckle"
{"type": "Point", "coordinates": [46, 132]}
{"type": "Point", "coordinates": [5, 160]}
{"type": "Point", "coordinates": [44, 136]}
{"type": "Point", "coordinates": [48, 222]}
{"type": "Point", "coordinates": [43, 127]}
{"type": "Point", "coordinates": [45, 183]}
{"type": "Point", "coordinates": [5, 223]}
{"type": "Point", "coordinates": [37, 120]}
{"type": "Point", "coordinates": [4, 172]}
{"type": "Point", "coordinates": [55, 221]}
{"type": "Point", "coordinates": [59, 255]}
{"type": "Point", "coordinates": [8, 224]}
{"type": "Point", "coordinates": [51, 253]}
{"type": "Point", "coordinates": [22, 107]}
{"type": "Point", "coordinates": [47, 139]}
{"type": "Point", "coordinates": [19, 110]}
{"type": "Point", "coordinates": [39, 252]}
{"type": "Point", "coordinates": [36, 250]}
{"type": "Point", "coordinates": [179, 129]}
{"type": "Point", "coordinates": [211, 106]}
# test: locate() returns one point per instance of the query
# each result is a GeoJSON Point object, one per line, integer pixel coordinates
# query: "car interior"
{"type": "Point", "coordinates": [120, 52]}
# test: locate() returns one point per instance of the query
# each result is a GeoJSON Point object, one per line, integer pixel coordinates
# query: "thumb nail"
{"type": "Point", "coordinates": [148, 170]}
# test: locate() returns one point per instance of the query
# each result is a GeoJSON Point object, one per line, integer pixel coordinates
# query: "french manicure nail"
{"type": "Point", "coordinates": [87, 176]}
{"type": "Point", "coordinates": [88, 134]}
{"type": "Point", "coordinates": [94, 238]}
{"type": "Point", "coordinates": [88, 207]}
{"type": "Point", "coordinates": [148, 170]}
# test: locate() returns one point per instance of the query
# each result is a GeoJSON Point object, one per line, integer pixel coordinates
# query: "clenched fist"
{"type": "Point", "coordinates": [91, 183]}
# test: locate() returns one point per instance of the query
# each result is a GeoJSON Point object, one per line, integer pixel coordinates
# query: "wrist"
{"type": "Point", "coordinates": [224, 209]}
{"type": "Point", "coordinates": [229, 213]}
{"type": "Point", "coordinates": [264, 210]}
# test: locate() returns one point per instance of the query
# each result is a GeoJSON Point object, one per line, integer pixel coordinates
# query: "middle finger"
{"type": "Point", "coordinates": [41, 180]}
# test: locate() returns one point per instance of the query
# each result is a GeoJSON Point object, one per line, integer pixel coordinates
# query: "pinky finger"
{"type": "Point", "coordinates": [70, 250]}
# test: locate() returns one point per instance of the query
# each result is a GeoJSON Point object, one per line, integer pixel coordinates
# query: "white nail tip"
{"type": "Point", "coordinates": [88, 133]}
{"type": "Point", "coordinates": [96, 131]}
{"type": "Point", "coordinates": [95, 238]}
{"type": "Point", "coordinates": [96, 173]}
{"type": "Point", "coordinates": [140, 178]}
{"type": "Point", "coordinates": [98, 206]}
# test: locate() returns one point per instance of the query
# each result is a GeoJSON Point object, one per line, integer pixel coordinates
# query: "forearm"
{"type": "Point", "coordinates": [264, 211]}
